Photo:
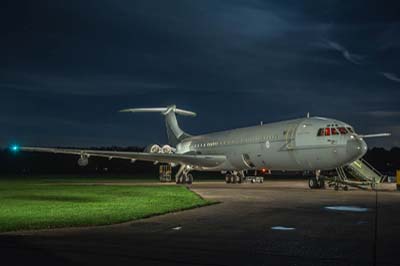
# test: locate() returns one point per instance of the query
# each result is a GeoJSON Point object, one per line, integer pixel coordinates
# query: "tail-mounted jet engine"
{"type": "Point", "coordinates": [83, 160]}
{"type": "Point", "coordinates": [154, 148]}
{"type": "Point", "coordinates": [167, 149]}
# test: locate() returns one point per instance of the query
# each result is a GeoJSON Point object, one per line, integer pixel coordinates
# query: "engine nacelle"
{"type": "Point", "coordinates": [83, 161]}
{"type": "Point", "coordinates": [167, 149]}
{"type": "Point", "coordinates": [153, 148]}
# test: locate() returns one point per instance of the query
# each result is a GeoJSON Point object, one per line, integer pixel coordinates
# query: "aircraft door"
{"type": "Point", "coordinates": [305, 137]}
{"type": "Point", "coordinates": [290, 136]}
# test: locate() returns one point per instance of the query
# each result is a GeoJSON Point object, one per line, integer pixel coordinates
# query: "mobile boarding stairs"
{"type": "Point", "coordinates": [358, 174]}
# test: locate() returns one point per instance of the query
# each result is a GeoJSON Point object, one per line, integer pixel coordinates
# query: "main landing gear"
{"type": "Point", "coordinates": [317, 181]}
{"type": "Point", "coordinates": [234, 177]}
{"type": "Point", "coordinates": [183, 176]}
{"type": "Point", "coordinates": [185, 179]}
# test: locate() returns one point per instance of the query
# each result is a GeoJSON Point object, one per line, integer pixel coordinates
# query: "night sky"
{"type": "Point", "coordinates": [67, 67]}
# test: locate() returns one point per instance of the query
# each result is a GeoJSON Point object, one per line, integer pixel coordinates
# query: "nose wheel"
{"type": "Point", "coordinates": [317, 181]}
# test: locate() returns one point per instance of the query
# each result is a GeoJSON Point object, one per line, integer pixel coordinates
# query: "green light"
{"type": "Point", "coordinates": [14, 148]}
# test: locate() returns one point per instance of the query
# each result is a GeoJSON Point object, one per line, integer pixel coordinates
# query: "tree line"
{"type": "Point", "coordinates": [27, 163]}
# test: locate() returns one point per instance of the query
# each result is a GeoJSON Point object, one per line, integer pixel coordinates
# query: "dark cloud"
{"type": "Point", "coordinates": [68, 66]}
{"type": "Point", "coordinates": [351, 57]}
{"type": "Point", "coordinates": [391, 76]}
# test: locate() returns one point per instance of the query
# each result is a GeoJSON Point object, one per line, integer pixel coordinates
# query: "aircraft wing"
{"type": "Point", "coordinates": [197, 160]}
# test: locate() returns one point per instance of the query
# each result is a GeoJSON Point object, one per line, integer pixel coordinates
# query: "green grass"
{"type": "Point", "coordinates": [30, 204]}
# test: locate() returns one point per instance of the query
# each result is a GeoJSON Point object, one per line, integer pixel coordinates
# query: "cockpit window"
{"type": "Point", "coordinates": [350, 129]}
{"type": "Point", "coordinates": [334, 131]}
{"type": "Point", "coordinates": [327, 131]}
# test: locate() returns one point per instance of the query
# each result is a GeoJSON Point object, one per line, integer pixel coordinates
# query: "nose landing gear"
{"type": "Point", "coordinates": [314, 183]}
{"type": "Point", "coordinates": [317, 181]}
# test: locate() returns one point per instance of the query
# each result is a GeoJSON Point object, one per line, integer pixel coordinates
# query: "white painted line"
{"type": "Point", "coordinates": [347, 208]}
{"type": "Point", "coordinates": [283, 228]}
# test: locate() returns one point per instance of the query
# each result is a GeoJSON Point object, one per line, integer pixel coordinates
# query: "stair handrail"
{"type": "Point", "coordinates": [341, 173]}
{"type": "Point", "coordinates": [371, 167]}
{"type": "Point", "coordinates": [356, 172]}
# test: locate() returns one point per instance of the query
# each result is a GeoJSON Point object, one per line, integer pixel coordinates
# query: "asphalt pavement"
{"type": "Point", "coordinates": [274, 223]}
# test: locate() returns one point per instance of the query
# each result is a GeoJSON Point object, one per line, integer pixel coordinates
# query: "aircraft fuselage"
{"type": "Point", "coordinates": [286, 145]}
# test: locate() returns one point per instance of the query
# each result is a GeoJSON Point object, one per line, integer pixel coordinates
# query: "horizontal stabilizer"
{"type": "Point", "coordinates": [162, 110]}
{"type": "Point", "coordinates": [174, 132]}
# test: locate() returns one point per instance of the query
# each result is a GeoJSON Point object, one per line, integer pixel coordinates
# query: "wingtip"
{"type": "Point", "coordinates": [124, 110]}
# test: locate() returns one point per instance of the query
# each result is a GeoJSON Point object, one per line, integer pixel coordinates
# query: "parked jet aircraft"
{"type": "Point", "coordinates": [309, 143]}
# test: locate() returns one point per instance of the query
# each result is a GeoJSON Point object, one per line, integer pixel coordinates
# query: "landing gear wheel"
{"type": "Point", "coordinates": [227, 179]}
{"type": "Point", "coordinates": [238, 179]}
{"type": "Point", "coordinates": [189, 179]}
{"type": "Point", "coordinates": [321, 183]}
{"type": "Point", "coordinates": [345, 188]}
{"type": "Point", "coordinates": [233, 179]}
{"type": "Point", "coordinates": [312, 182]}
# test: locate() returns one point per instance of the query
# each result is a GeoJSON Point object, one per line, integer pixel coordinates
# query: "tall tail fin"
{"type": "Point", "coordinates": [174, 132]}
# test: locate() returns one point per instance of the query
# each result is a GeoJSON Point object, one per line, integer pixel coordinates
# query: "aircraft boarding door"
{"type": "Point", "coordinates": [290, 136]}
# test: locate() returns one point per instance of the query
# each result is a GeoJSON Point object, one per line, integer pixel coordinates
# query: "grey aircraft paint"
{"type": "Point", "coordinates": [286, 145]}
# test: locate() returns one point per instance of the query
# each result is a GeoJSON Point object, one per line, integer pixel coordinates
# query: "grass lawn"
{"type": "Point", "coordinates": [28, 204]}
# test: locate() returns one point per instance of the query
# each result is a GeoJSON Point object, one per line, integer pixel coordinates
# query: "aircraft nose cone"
{"type": "Point", "coordinates": [356, 148]}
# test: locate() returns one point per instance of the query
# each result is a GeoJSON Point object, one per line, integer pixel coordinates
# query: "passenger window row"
{"type": "Point", "coordinates": [236, 141]}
